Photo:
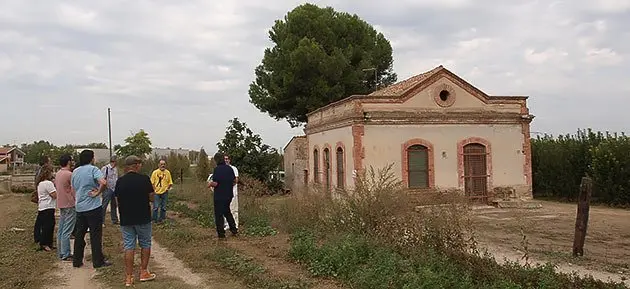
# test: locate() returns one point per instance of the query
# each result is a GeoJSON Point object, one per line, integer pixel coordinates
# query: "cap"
{"type": "Point", "coordinates": [132, 160]}
{"type": "Point", "coordinates": [113, 158]}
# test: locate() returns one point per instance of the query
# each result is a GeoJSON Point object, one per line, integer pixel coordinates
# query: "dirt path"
{"type": "Point", "coordinates": [502, 254]}
{"type": "Point", "coordinates": [77, 277]}
{"type": "Point", "coordinates": [174, 267]}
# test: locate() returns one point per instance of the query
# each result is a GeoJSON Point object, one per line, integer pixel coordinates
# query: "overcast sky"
{"type": "Point", "coordinates": [181, 69]}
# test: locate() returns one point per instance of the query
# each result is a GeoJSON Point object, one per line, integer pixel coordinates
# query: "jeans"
{"type": "Point", "coordinates": [139, 233]}
{"type": "Point", "coordinates": [47, 222]}
{"type": "Point", "coordinates": [110, 198]}
{"type": "Point", "coordinates": [222, 210]}
{"type": "Point", "coordinates": [67, 220]}
{"type": "Point", "coordinates": [94, 221]}
{"type": "Point", "coordinates": [159, 203]}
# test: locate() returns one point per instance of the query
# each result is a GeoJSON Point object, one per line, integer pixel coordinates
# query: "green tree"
{"type": "Point", "coordinates": [204, 167]}
{"type": "Point", "coordinates": [94, 145]}
{"type": "Point", "coordinates": [138, 144]}
{"type": "Point", "coordinates": [248, 152]}
{"type": "Point", "coordinates": [36, 150]}
{"type": "Point", "coordinates": [319, 56]}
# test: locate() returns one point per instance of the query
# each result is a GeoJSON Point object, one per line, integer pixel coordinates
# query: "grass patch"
{"type": "Point", "coordinates": [21, 266]}
{"type": "Point", "coordinates": [375, 237]}
{"type": "Point", "coordinates": [254, 275]}
{"type": "Point", "coordinates": [198, 248]}
{"type": "Point", "coordinates": [255, 217]}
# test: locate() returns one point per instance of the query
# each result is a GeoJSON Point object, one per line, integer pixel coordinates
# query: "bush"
{"type": "Point", "coordinates": [22, 189]}
{"type": "Point", "coordinates": [376, 237]}
{"type": "Point", "coordinates": [558, 165]}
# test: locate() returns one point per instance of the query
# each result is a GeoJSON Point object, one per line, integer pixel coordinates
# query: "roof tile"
{"type": "Point", "coordinates": [399, 88]}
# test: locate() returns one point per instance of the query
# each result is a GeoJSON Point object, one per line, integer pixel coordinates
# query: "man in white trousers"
{"type": "Point", "coordinates": [234, 203]}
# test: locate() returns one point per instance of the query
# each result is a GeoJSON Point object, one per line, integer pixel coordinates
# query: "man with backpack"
{"type": "Point", "coordinates": [111, 176]}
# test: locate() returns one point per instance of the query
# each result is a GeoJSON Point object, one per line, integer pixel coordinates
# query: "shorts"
{"type": "Point", "coordinates": [139, 233]}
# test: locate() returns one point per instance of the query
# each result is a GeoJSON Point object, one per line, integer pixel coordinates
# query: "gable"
{"type": "Point", "coordinates": [441, 90]}
{"type": "Point", "coordinates": [442, 93]}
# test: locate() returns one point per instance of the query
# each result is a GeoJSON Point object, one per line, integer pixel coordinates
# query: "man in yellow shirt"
{"type": "Point", "coordinates": [162, 183]}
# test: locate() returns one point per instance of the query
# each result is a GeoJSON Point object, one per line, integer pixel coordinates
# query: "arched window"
{"type": "Point", "coordinates": [418, 166]}
{"type": "Point", "coordinates": [340, 168]}
{"type": "Point", "coordinates": [316, 166]}
{"type": "Point", "coordinates": [327, 168]}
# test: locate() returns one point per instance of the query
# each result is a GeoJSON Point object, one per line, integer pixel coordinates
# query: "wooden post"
{"type": "Point", "coordinates": [581, 220]}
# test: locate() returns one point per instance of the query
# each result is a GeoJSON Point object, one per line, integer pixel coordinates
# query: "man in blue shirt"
{"type": "Point", "coordinates": [88, 182]}
{"type": "Point", "coordinates": [223, 180]}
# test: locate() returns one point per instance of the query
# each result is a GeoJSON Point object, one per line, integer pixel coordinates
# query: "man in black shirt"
{"type": "Point", "coordinates": [223, 180]}
{"type": "Point", "coordinates": [134, 193]}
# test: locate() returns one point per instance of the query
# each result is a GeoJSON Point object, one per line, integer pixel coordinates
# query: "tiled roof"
{"type": "Point", "coordinates": [399, 88]}
{"type": "Point", "coordinates": [5, 150]}
{"type": "Point", "coordinates": [3, 158]}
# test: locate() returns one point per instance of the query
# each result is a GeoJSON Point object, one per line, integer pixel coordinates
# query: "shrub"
{"type": "Point", "coordinates": [558, 165]}
{"type": "Point", "coordinates": [376, 237]}
{"type": "Point", "coordinates": [22, 189]}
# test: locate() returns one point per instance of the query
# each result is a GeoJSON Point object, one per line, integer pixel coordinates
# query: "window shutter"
{"type": "Point", "coordinates": [418, 162]}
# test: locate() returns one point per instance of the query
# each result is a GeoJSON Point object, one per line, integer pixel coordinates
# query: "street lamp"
{"type": "Point", "coordinates": [375, 76]}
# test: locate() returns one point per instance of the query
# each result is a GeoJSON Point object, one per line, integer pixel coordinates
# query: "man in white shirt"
{"type": "Point", "coordinates": [234, 203]}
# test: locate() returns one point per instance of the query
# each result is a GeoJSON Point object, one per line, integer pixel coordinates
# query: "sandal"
{"type": "Point", "coordinates": [146, 276]}
{"type": "Point", "coordinates": [129, 281]}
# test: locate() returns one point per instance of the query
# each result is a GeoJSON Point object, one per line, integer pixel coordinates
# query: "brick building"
{"type": "Point", "coordinates": [436, 129]}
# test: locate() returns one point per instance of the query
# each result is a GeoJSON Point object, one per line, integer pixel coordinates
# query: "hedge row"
{"type": "Point", "coordinates": [559, 163]}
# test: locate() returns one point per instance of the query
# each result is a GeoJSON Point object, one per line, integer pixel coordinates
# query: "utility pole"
{"type": "Point", "coordinates": [109, 125]}
{"type": "Point", "coordinates": [375, 76]}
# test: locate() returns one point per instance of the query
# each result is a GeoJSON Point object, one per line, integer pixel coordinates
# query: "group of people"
{"type": "Point", "coordinates": [83, 193]}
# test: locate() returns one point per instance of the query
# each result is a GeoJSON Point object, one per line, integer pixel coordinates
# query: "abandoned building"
{"type": "Point", "coordinates": [437, 130]}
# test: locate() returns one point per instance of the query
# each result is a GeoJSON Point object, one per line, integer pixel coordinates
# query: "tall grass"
{"type": "Point", "coordinates": [377, 237]}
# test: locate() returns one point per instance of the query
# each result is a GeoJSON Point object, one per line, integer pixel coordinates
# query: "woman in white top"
{"type": "Point", "coordinates": [47, 195]}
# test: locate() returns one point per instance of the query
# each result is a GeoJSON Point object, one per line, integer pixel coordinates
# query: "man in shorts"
{"type": "Point", "coordinates": [134, 193]}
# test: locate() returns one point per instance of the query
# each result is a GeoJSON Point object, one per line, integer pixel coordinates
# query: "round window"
{"type": "Point", "coordinates": [444, 95]}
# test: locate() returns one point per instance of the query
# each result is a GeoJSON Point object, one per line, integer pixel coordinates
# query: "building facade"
{"type": "Point", "coordinates": [295, 158]}
{"type": "Point", "coordinates": [10, 158]}
{"type": "Point", "coordinates": [435, 129]}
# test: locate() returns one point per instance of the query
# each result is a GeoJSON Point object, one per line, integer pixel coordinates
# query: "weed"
{"type": "Point", "coordinates": [253, 274]}
{"type": "Point", "coordinates": [21, 266]}
{"type": "Point", "coordinates": [379, 236]}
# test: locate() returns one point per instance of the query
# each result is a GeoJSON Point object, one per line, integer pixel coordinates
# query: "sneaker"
{"type": "Point", "coordinates": [105, 264]}
{"type": "Point", "coordinates": [146, 276]}
{"type": "Point", "coordinates": [129, 281]}
{"type": "Point", "coordinates": [67, 259]}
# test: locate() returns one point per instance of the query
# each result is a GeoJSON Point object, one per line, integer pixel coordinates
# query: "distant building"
{"type": "Point", "coordinates": [10, 157]}
{"type": "Point", "coordinates": [165, 152]}
{"type": "Point", "coordinates": [100, 155]}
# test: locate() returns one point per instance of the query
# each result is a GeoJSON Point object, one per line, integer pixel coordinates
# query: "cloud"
{"type": "Point", "coordinates": [182, 70]}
